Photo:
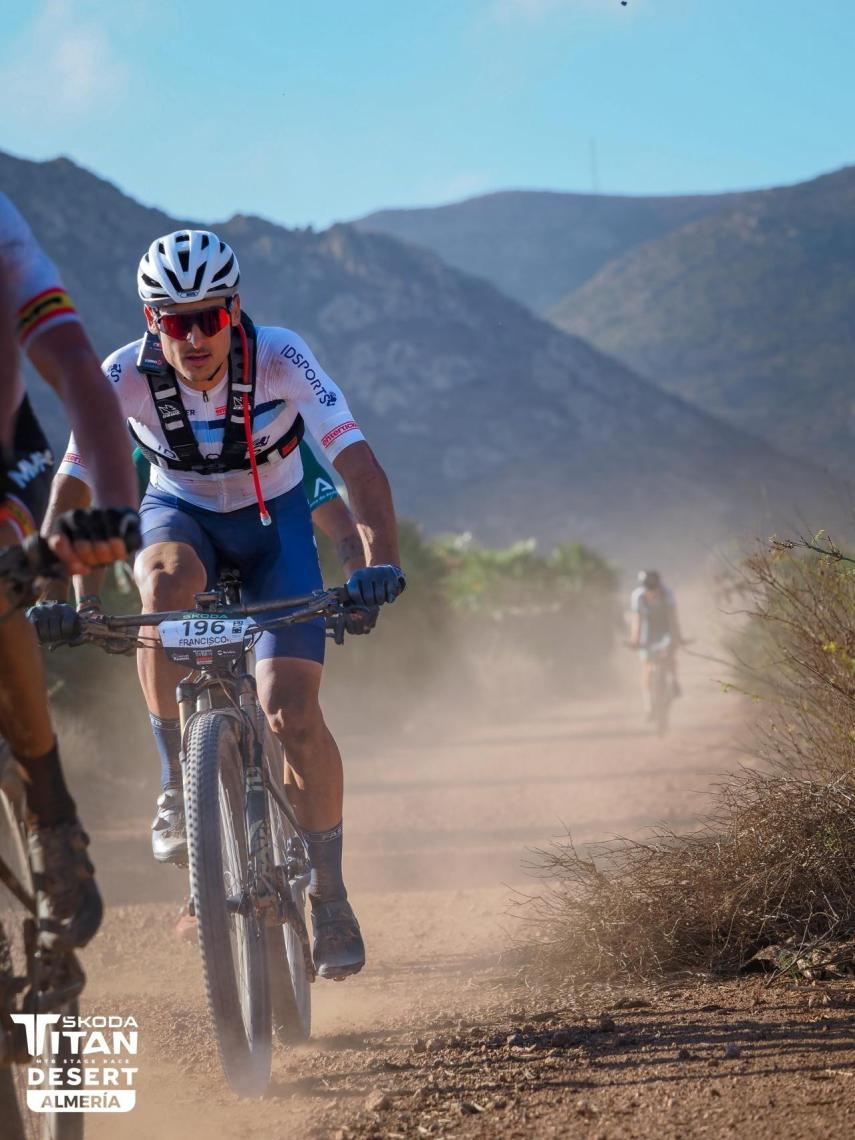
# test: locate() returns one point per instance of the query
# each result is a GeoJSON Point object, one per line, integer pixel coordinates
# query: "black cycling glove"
{"type": "Point", "coordinates": [100, 524]}
{"type": "Point", "coordinates": [55, 623]}
{"type": "Point", "coordinates": [374, 585]}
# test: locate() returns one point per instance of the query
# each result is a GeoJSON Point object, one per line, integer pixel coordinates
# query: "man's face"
{"type": "Point", "coordinates": [652, 593]}
{"type": "Point", "coordinates": [195, 356]}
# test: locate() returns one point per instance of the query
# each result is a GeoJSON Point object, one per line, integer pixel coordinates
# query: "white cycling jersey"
{"type": "Point", "coordinates": [288, 381]}
{"type": "Point", "coordinates": [35, 286]}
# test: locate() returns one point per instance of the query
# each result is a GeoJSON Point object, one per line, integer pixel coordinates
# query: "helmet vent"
{"type": "Point", "coordinates": [184, 260]}
{"type": "Point", "coordinates": [200, 273]}
{"type": "Point", "coordinates": [224, 272]}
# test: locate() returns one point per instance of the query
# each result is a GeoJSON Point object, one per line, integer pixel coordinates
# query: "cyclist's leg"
{"type": "Point", "coordinates": [282, 561]}
{"type": "Point", "coordinates": [175, 563]}
{"type": "Point", "coordinates": [69, 904]}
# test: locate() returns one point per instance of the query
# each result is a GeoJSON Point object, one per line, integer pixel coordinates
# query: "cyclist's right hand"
{"type": "Point", "coordinates": [55, 623]}
{"type": "Point", "coordinates": [95, 536]}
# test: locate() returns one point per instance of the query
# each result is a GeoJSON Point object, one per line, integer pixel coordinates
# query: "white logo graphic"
{"type": "Point", "coordinates": [80, 1064]}
{"type": "Point", "coordinates": [322, 487]}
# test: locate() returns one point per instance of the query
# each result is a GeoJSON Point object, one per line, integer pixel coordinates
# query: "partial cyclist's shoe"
{"type": "Point", "coordinates": [68, 902]}
{"type": "Point", "coordinates": [338, 949]}
{"type": "Point", "coordinates": [168, 829]}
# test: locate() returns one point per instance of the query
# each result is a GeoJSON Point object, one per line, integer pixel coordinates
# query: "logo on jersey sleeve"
{"type": "Point", "coordinates": [325, 396]}
{"type": "Point", "coordinates": [337, 432]}
{"type": "Point", "coordinates": [51, 305]}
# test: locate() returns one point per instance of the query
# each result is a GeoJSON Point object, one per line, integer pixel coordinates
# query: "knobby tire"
{"type": "Point", "coordinates": [232, 946]}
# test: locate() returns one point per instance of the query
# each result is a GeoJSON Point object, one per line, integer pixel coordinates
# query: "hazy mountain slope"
{"type": "Point", "coordinates": [537, 246]}
{"type": "Point", "coordinates": [748, 313]}
{"type": "Point", "coordinates": [487, 418]}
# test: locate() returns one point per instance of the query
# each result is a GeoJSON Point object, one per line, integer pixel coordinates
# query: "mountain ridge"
{"type": "Point", "coordinates": [488, 418]}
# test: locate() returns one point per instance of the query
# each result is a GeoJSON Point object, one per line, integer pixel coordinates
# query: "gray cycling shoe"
{"type": "Point", "coordinates": [168, 829]}
{"type": "Point", "coordinates": [338, 948]}
{"type": "Point", "coordinates": [68, 901]}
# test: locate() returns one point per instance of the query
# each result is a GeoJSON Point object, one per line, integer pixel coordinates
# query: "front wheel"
{"type": "Point", "coordinates": [231, 937]}
{"type": "Point", "coordinates": [17, 1121]}
{"type": "Point", "coordinates": [661, 697]}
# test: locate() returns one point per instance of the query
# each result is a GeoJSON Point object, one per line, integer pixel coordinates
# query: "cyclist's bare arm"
{"type": "Point", "coordinates": [335, 521]}
{"type": "Point", "coordinates": [67, 361]}
{"type": "Point", "coordinates": [68, 493]}
{"type": "Point", "coordinates": [370, 503]}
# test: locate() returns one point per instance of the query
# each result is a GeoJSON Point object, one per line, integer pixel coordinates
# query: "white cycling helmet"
{"type": "Point", "coordinates": [188, 265]}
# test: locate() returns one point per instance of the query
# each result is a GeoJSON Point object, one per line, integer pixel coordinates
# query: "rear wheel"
{"type": "Point", "coordinates": [231, 939]}
{"type": "Point", "coordinates": [290, 978]}
{"type": "Point", "coordinates": [661, 696]}
{"type": "Point", "coordinates": [17, 1122]}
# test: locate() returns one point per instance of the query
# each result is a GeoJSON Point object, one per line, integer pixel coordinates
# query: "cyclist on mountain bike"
{"type": "Point", "coordinates": [653, 617]}
{"type": "Point", "coordinates": [217, 405]}
{"type": "Point", "coordinates": [50, 332]}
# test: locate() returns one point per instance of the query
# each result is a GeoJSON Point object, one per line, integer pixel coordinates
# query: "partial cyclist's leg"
{"type": "Point", "coordinates": [69, 903]}
{"type": "Point", "coordinates": [288, 690]}
{"type": "Point", "coordinates": [175, 563]}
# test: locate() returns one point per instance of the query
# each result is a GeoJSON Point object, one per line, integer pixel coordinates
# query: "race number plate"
{"type": "Point", "coordinates": [200, 642]}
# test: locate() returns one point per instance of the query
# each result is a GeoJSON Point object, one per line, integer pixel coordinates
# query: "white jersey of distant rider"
{"type": "Point", "coordinates": [38, 296]}
{"type": "Point", "coordinates": [289, 381]}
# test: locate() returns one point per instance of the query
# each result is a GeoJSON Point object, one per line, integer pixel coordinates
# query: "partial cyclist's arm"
{"type": "Point", "coordinates": [634, 627]}
{"type": "Point", "coordinates": [68, 493]}
{"type": "Point", "coordinates": [335, 521]}
{"type": "Point", "coordinates": [65, 358]}
{"type": "Point", "coordinates": [371, 505]}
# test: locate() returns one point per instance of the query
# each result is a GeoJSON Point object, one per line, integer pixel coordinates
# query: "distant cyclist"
{"type": "Point", "coordinates": [218, 405]}
{"type": "Point", "coordinates": [653, 618]}
{"type": "Point", "coordinates": [48, 329]}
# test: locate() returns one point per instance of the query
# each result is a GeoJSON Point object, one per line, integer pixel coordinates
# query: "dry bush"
{"type": "Point", "coordinates": [773, 863]}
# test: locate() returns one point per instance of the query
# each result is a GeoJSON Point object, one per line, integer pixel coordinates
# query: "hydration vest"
{"type": "Point", "coordinates": [175, 423]}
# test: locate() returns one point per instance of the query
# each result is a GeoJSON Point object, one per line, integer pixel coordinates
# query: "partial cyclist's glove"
{"type": "Point", "coordinates": [101, 524]}
{"type": "Point", "coordinates": [360, 619]}
{"type": "Point", "coordinates": [374, 585]}
{"type": "Point", "coordinates": [55, 623]}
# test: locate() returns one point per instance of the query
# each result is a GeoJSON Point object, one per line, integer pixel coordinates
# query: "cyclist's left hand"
{"type": "Point", "coordinates": [374, 585]}
{"type": "Point", "coordinates": [55, 623]}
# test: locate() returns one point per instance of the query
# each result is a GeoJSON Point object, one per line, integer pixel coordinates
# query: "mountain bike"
{"type": "Point", "coordinates": [249, 867]}
{"type": "Point", "coordinates": [32, 979]}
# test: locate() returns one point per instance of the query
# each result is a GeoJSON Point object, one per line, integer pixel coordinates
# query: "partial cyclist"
{"type": "Point", "coordinates": [218, 406]}
{"type": "Point", "coordinates": [653, 618]}
{"type": "Point", "coordinates": [48, 329]}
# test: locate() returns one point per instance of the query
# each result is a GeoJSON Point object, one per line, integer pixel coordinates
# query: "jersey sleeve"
{"type": "Point", "coordinates": [37, 292]}
{"type": "Point", "coordinates": [74, 464]}
{"type": "Point", "coordinates": [317, 481]}
{"type": "Point", "coordinates": [319, 399]}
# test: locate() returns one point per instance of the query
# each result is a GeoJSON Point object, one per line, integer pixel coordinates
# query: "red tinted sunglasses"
{"type": "Point", "coordinates": [178, 326]}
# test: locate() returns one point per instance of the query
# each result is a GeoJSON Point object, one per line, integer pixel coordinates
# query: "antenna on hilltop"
{"type": "Point", "coordinates": [595, 172]}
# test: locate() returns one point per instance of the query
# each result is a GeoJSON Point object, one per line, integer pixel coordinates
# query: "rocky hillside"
{"type": "Point", "coordinates": [488, 418]}
{"type": "Point", "coordinates": [748, 313]}
{"type": "Point", "coordinates": [538, 246]}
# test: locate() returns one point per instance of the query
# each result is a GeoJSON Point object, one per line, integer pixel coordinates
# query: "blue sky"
{"type": "Point", "coordinates": [309, 112]}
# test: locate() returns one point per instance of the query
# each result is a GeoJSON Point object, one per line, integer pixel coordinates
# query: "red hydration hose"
{"type": "Point", "coordinates": [266, 520]}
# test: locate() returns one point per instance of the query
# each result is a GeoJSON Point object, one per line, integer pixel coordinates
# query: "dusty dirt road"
{"type": "Point", "coordinates": [441, 1035]}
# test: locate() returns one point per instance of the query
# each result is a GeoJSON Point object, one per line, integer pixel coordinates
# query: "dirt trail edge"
{"type": "Point", "coordinates": [444, 1033]}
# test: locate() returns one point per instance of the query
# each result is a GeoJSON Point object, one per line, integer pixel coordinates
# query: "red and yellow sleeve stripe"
{"type": "Point", "coordinates": [45, 307]}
